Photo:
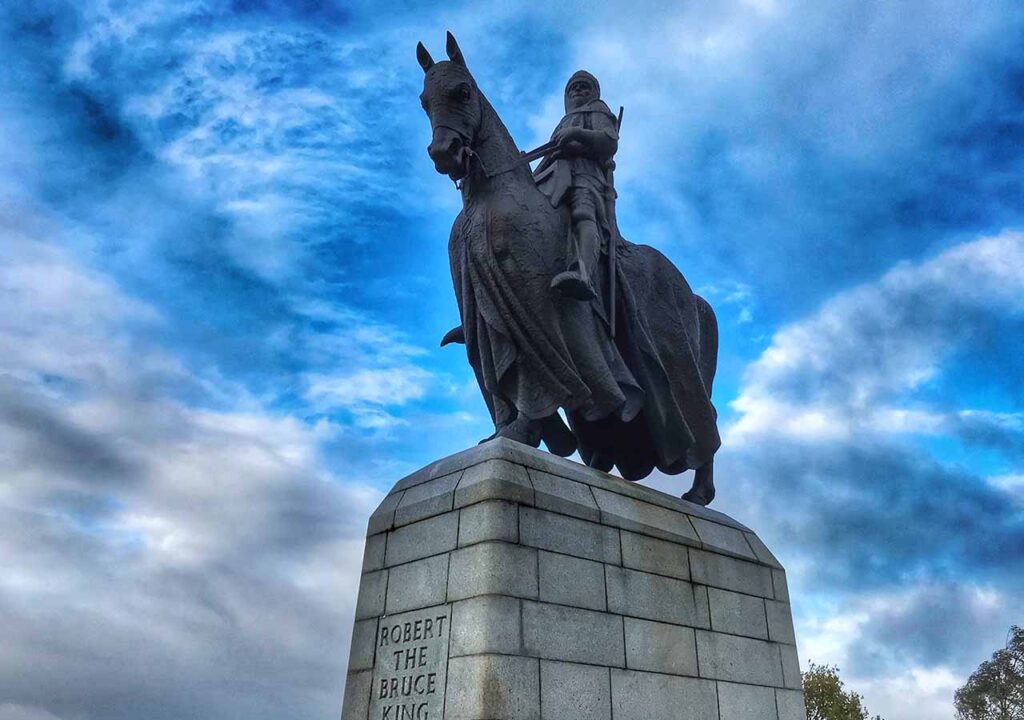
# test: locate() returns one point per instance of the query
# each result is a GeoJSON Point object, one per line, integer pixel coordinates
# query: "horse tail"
{"type": "Point", "coordinates": [708, 325]}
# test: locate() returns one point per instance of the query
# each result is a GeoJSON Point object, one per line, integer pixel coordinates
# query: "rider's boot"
{"type": "Point", "coordinates": [575, 282]}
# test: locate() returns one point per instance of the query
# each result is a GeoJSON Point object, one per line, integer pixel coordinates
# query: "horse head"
{"type": "Point", "coordinates": [452, 101]}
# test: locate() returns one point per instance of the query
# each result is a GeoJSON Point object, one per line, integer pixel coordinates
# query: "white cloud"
{"type": "Point", "coordinates": [12, 711]}
{"type": "Point", "coordinates": [391, 386]}
{"type": "Point", "coordinates": [842, 372]}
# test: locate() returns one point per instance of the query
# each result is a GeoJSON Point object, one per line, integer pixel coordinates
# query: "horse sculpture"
{"type": "Point", "coordinates": [637, 395]}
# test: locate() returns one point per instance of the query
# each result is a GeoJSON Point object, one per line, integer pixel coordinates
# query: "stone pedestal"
{"type": "Point", "coordinates": [504, 583]}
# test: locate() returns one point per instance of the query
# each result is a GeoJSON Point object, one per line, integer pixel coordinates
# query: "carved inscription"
{"type": "Point", "coordinates": [411, 661]}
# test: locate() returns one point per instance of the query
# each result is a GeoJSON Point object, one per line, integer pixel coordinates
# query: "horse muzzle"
{"type": "Point", "coordinates": [449, 152]}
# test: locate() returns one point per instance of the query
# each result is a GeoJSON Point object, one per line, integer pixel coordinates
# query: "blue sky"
{"type": "Point", "coordinates": [223, 277]}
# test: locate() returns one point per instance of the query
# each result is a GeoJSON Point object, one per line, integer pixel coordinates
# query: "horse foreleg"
{"type": "Point", "coordinates": [523, 430]}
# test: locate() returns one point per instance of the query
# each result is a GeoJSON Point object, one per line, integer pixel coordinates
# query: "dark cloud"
{"type": "Point", "coordinates": [1005, 434]}
{"type": "Point", "coordinates": [938, 624]}
{"type": "Point", "coordinates": [57, 447]}
{"type": "Point", "coordinates": [866, 517]}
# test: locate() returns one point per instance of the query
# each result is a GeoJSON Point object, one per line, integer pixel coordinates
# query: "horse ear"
{"type": "Point", "coordinates": [454, 53]}
{"type": "Point", "coordinates": [426, 62]}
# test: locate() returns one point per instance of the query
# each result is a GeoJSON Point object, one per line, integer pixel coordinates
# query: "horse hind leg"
{"type": "Point", "coordinates": [703, 490]}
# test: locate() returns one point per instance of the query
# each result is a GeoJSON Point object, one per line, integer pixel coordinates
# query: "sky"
{"type": "Point", "coordinates": [223, 279]}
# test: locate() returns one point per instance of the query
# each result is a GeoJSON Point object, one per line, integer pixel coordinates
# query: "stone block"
{"type": "Point", "coordinates": [493, 687]}
{"type": "Point", "coordinates": [780, 585]}
{"type": "Point", "coordinates": [536, 459]}
{"type": "Point", "coordinates": [356, 705]}
{"type": "Point", "coordinates": [497, 449]}
{"type": "Point", "coordinates": [738, 659]}
{"type": "Point", "coordinates": [790, 704]}
{"type": "Point", "coordinates": [494, 480]}
{"type": "Point", "coordinates": [652, 696]}
{"type": "Point", "coordinates": [490, 520]}
{"type": "Point", "coordinates": [737, 614]}
{"type": "Point", "coordinates": [383, 517]}
{"type": "Point", "coordinates": [493, 568]}
{"type": "Point", "coordinates": [364, 636]}
{"type": "Point", "coordinates": [417, 584]}
{"type": "Point", "coordinates": [426, 500]}
{"type": "Point", "coordinates": [761, 550]}
{"type": "Point", "coordinates": [730, 574]}
{"type": "Point", "coordinates": [632, 514]}
{"type": "Point", "coordinates": [556, 632]}
{"type": "Point", "coordinates": [568, 535]}
{"type": "Point", "coordinates": [372, 588]}
{"type": "Point", "coordinates": [653, 597]}
{"type": "Point", "coordinates": [574, 692]}
{"type": "Point", "coordinates": [746, 702]}
{"type": "Point", "coordinates": [662, 648]}
{"type": "Point", "coordinates": [723, 539]}
{"type": "Point", "coordinates": [373, 552]}
{"type": "Point", "coordinates": [702, 605]}
{"type": "Point", "coordinates": [422, 539]}
{"type": "Point", "coordinates": [780, 622]}
{"type": "Point", "coordinates": [790, 667]}
{"type": "Point", "coordinates": [564, 496]}
{"type": "Point", "coordinates": [486, 624]}
{"type": "Point", "coordinates": [571, 581]}
{"type": "Point", "coordinates": [648, 554]}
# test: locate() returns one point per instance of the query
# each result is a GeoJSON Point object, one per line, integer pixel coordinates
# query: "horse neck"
{"type": "Point", "coordinates": [496, 151]}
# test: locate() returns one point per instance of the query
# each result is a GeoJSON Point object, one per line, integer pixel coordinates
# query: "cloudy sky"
{"type": "Point", "coordinates": [223, 278]}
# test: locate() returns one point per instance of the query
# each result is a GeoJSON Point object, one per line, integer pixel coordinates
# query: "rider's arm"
{"type": "Point", "coordinates": [602, 142]}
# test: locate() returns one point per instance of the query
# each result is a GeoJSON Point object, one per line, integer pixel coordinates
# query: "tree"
{"type": "Point", "coordinates": [995, 691]}
{"type": "Point", "coordinates": [826, 699]}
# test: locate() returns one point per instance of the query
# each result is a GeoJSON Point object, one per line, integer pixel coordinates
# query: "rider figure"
{"type": "Point", "coordinates": [580, 171]}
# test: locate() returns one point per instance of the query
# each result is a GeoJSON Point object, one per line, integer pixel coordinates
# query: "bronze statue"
{"type": "Point", "coordinates": [627, 351]}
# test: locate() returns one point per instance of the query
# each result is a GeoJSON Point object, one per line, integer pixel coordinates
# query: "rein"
{"type": "Point", "coordinates": [524, 158]}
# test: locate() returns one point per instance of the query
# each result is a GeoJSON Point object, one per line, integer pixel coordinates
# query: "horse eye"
{"type": "Point", "coordinates": [464, 94]}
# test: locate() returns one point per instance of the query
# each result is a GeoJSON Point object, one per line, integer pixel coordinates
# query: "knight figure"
{"type": "Point", "coordinates": [579, 172]}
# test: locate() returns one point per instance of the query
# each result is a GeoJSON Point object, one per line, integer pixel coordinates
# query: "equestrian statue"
{"type": "Point", "coordinates": [558, 311]}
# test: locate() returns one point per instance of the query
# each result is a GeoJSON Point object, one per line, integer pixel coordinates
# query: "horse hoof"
{"type": "Point", "coordinates": [522, 430]}
{"type": "Point", "coordinates": [696, 498]}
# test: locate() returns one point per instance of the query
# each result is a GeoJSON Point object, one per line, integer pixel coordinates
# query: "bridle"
{"type": "Point", "coordinates": [472, 155]}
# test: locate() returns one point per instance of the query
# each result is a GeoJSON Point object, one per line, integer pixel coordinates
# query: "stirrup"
{"type": "Point", "coordinates": [572, 285]}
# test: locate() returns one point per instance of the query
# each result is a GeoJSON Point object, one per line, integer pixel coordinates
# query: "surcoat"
{"type": "Point", "coordinates": [585, 175]}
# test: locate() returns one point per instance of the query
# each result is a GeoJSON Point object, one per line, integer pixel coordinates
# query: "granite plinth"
{"type": "Point", "coordinates": [504, 583]}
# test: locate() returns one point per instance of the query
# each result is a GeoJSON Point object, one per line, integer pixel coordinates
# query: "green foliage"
{"type": "Point", "coordinates": [827, 700]}
{"type": "Point", "coordinates": [996, 689]}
